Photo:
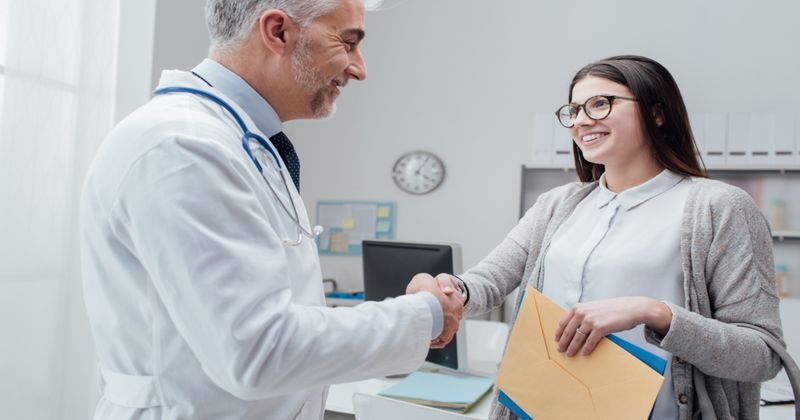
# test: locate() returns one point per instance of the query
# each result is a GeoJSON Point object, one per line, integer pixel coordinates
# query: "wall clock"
{"type": "Point", "coordinates": [418, 172]}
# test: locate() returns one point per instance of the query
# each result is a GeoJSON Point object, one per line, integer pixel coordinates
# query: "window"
{"type": "Point", "coordinates": [3, 43]}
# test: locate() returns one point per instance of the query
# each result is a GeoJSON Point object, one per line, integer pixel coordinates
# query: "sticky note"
{"type": "Point", "coordinates": [340, 242]}
{"type": "Point", "coordinates": [383, 212]}
{"type": "Point", "coordinates": [347, 223]}
{"type": "Point", "coordinates": [383, 226]}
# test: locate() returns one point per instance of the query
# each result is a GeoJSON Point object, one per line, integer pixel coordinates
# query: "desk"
{"type": "Point", "coordinates": [485, 343]}
{"type": "Point", "coordinates": [777, 412]}
{"type": "Point", "coordinates": [339, 405]}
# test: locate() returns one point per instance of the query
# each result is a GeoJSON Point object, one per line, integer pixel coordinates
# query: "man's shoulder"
{"type": "Point", "coordinates": [162, 120]}
{"type": "Point", "coordinates": [161, 133]}
{"type": "Point", "coordinates": [168, 113]}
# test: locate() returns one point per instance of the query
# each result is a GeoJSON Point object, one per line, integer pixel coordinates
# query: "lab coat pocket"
{"type": "Point", "coordinates": [131, 391]}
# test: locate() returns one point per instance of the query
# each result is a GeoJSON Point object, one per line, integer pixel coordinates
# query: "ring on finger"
{"type": "Point", "coordinates": [578, 330]}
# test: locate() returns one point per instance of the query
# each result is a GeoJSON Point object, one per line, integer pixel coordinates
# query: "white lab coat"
{"type": "Point", "coordinates": [198, 309]}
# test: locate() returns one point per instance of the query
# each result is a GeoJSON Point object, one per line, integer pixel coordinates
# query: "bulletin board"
{"type": "Point", "coordinates": [347, 223]}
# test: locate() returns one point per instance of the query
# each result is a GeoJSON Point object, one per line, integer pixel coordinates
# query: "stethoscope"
{"type": "Point", "coordinates": [247, 137]}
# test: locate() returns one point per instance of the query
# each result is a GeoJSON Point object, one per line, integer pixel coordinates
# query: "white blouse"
{"type": "Point", "coordinates": [625, 244]}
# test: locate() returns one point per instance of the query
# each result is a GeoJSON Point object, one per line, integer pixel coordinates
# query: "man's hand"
{"type": "Point", "coordinates": [449, 298]}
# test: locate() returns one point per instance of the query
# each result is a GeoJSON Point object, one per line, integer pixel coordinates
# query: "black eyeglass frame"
{"type": "Point", "coordinates": [609, 98]}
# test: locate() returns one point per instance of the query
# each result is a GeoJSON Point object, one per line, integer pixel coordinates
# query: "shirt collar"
{"type": "Point", "coordinates": [637, 195]}
{"type": "Point", "coordinates": [239, 91]}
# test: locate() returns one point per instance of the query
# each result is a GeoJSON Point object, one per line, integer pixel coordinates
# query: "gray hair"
{"type": "Point", "coordinates": [230, 21]}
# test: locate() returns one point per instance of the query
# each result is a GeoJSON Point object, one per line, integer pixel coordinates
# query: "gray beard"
{"type": "Point", "coordinates": [311, 80]}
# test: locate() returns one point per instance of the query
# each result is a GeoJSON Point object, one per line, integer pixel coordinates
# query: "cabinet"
{"type": "Point", "coordinates": [775, 191]}
{"type": "Point", "coordinates": [756, 151]}
{"type": "Point", "coordinates": [726, 140]}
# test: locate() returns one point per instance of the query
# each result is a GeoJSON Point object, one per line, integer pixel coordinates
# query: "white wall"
{"type": "Point", "coordinates": [181, 37]}
{"type": "Point", "coordinates": [462, 78]}
{"type": "Point", "coordinates": [135, 55]}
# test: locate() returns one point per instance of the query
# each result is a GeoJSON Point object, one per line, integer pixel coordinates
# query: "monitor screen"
{"type": "Point", "coordinates": [389, 267]}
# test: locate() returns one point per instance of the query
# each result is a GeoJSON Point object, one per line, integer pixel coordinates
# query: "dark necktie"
{"type": "Point", "coordinates": [289, 156]}
{"type": "Point", "coordinates": [284, 146]}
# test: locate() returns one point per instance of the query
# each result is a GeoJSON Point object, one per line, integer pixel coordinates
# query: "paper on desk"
{"type": "Point", "coordinates": [537, 381]}
{"type": "Point", "coordinates": [773, 392]}
{"type": "Point", "coordinates": [456, 392]}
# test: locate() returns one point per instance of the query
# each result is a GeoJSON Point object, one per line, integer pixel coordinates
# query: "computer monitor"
{"type": "Point", "coordinates": [389, 267]}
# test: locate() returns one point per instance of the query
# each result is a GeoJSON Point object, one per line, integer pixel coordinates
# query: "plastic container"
{"type": "Point", "coordinates": [782, 280]}
{"type": "Point", "coordinates": [777, 214]}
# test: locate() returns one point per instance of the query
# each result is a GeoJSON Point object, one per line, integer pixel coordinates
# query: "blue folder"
{"type": "Point", "coordinates": [443, 390]}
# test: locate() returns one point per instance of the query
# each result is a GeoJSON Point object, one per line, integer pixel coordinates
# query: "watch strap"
{"type": "Point", "coordinates": [462, 285]}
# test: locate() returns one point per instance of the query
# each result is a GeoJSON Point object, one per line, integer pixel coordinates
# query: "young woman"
{"type": "Point", "coordinates": [646, 247]}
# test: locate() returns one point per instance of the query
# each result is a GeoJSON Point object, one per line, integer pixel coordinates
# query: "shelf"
{"type": "Point", "coordinates": [557, 174]}
{"type": "Point", "coordinates": [782, 235]}
{"type": "Point", "coordinates": [334, 302]}
{"type": "Point", "coordinates": [773, 169]}
{"type": "Point", "coordinates": [716, 169]}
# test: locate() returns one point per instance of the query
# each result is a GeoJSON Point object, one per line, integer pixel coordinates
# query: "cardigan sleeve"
{"type": "Point", "coordinates": [502, 271]}
{"type": "Point", "coordinates": [732, 269]}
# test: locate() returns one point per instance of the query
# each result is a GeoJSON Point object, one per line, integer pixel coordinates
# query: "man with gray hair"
{"type": "Point", "coordinates": [201, 275]}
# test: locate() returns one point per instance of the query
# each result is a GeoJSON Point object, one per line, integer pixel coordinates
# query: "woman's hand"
{"type": "Point", "coordinates": [586, 323]}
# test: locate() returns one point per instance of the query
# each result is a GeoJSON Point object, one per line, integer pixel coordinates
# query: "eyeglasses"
{"type": "Point", "coordinates": [597, 108]}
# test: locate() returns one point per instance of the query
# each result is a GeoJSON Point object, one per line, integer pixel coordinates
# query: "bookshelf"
{"type": "Point", "coordinates": [771, 188]}
{"type": "Point", "coordinates": [757, 151]}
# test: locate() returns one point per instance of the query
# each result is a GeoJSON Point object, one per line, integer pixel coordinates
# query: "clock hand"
{"type": "Point", "coordinates": [422, 165]}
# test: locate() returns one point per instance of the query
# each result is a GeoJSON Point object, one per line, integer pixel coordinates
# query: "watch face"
{"type": "Point", "coordinates": [418, 172]}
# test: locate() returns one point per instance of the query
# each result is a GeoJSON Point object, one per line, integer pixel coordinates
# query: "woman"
{"type": "Point", "coordinates": [646, 246]}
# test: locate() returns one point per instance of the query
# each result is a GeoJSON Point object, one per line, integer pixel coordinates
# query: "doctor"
{"type": "Point", "coordinates": [201, 275]}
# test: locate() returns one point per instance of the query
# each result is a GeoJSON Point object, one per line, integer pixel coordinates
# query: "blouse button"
{"type": "Point", "coordinates": [683, 398]}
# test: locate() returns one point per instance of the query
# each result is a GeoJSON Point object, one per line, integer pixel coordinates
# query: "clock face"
{"type": "Point", "coordinates": [418, 172]}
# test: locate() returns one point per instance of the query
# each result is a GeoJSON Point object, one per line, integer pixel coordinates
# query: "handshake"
{"type": "Point", "coordinates": [444, 288]}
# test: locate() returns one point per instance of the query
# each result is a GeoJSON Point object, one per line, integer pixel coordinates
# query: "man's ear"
{"type": "Point", "coordinates": [277, 31]}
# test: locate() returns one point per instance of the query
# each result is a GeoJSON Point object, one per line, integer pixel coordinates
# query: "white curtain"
{"type": "Point", "coordinates": [57, 60]}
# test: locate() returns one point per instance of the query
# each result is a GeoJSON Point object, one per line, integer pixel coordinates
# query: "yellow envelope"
{"type": "Point", "coordinates": [608, 384]}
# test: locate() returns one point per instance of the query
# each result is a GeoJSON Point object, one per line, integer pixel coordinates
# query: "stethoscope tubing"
{"type": "Point", "coordinates": [247, 135]}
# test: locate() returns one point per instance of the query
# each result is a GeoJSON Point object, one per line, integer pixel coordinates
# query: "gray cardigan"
{"type": "Point", "coordinates": [728, 271]}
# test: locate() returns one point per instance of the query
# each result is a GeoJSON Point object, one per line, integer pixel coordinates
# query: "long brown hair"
{"type": "Point", "coordinates": [672, 143]}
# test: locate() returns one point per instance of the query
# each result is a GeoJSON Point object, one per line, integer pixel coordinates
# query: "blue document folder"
{"type": "Point", "coordinates": [443, 390]}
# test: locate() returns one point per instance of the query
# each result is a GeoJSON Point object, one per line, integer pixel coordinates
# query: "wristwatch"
{"type": "Point", "coordinates": [462, 288]}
